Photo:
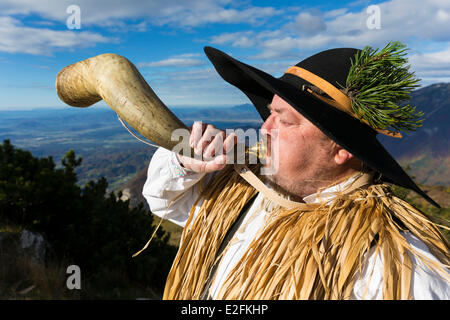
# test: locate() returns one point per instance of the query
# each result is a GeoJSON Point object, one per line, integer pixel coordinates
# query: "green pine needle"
{"type": "Point", "coordinates": [377, 82]}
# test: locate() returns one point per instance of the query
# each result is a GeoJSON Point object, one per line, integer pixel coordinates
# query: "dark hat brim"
{"type": "Point", "coordinates": [348, 132]}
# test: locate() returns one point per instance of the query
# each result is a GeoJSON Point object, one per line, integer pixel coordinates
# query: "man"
{"type": "Point", "coordinates": [323, 225]}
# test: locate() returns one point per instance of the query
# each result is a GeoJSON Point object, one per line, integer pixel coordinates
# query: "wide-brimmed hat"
{"type": "Point", "coordinates": [315, 87]}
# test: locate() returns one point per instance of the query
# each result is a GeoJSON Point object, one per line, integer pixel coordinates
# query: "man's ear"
{"type": "Point", "coordinates": [342, 156]}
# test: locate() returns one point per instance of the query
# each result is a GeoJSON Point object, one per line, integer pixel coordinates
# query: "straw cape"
{"type": "Point", "coordinates": [307, 253]}
{"type": "Point", "coordinates": [316, 251]}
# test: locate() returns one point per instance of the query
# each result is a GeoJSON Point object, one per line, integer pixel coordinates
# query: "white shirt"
{"type": "Point", "coordinates": [167, 180]}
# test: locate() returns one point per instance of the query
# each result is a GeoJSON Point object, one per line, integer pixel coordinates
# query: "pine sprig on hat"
{"type": "Point", "coordinates": [377, 82]}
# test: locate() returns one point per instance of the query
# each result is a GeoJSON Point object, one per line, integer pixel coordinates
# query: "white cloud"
{"type": "Point", "coordinates": [17, 38]}
{"type": "Point", "coordinates": [243, 39]}
{"type": "Point", "coordinates": [115, 16]}
{"type": "Point", "coordinates": [184, 13]}
{"type": "Point", "coordinates": [400, 20]}
{"type": "Point", "coordinates": [432, 66]}
{"type": "Point", "coordinates": [183, 60]}
{"type": "Point", "coordinates": [335, 13]}
{"type": "Point", "coordinates": [443, 15]}
{"type": "Point", "coordinates": [432, 60]}
{"type": "Point", "coordinates": [412, 21]}
{"type": "Point", "coordinates": [221, 15]}
{"type": "Point", "coordinates": [310, 23]}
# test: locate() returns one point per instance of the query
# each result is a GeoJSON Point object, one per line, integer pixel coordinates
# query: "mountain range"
{"type": "Point", "coordinates": [426, 152]}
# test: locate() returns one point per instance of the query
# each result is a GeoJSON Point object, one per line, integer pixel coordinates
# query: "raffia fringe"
{"type": "Point", "coordinates": [315, 254]}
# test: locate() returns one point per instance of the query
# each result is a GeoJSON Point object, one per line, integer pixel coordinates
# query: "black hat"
{"type": "Point", "coordinates": [332, 68]}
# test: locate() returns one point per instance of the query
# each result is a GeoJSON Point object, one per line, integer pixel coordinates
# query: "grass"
{"type": "Point", "coordinates": [23, 278]}
{"type": "Point", "coordinates": [170, 227]}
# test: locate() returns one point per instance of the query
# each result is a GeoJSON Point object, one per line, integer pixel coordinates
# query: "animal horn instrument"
{"type": "Point", "coordinates": [117, 81]}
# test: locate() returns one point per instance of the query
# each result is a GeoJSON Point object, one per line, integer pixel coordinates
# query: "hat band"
{"type": "Point", "coordinates": [338, 99]}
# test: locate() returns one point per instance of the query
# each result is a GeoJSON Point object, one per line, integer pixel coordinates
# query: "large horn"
{"type": "Point", "coordinates": [116, 80]}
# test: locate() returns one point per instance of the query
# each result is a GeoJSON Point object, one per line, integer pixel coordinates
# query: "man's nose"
{"type": "Point", "coordinates": [268, 125]}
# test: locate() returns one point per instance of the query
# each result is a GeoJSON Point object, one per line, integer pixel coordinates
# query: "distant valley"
{"type": "Point", "coordinates": [97, 136]}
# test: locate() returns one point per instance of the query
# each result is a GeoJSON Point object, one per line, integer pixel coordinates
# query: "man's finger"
{"type": "Point", "coordinates": [196, 133]}
{"type": "Point", "coordinates": [218, 163]}
{"type": "Point", "coordinates": [230, 142]}
{"type": "Point", "coordinates": [215, 148]}
{"type": "Point", "coordinates": [204, 166]}
{"type": "Point", "coordinates": [206, 138]}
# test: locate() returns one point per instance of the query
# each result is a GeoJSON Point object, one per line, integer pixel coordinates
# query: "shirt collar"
{"type": "Point", "coordinates": [329, 193]}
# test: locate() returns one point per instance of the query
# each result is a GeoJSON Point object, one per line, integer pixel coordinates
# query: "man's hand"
{"type": "Point", "coordinates": [211, 144]}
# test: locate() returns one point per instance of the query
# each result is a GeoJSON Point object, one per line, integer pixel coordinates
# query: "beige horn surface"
{"type": "Point", "coordinates": [117, 81]}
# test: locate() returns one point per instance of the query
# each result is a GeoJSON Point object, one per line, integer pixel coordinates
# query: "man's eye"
{"type": "Point", "coordinates": [286, 122]}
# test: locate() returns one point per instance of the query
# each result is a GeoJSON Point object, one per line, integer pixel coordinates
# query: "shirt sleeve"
{"type": "Point", "coordinates": [169, 183]}
{"type": "Point", "coordinates": [426, 284]}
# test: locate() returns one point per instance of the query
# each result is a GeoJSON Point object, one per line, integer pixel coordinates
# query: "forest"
{"type": "Point", "coordinates": [83, 226]}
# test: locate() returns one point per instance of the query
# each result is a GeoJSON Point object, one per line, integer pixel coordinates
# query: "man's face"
{"type": "Point", "coordinates": [305, 154]}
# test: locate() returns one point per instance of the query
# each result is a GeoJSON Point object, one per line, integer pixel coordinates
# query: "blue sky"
{"type": "Point", "coordinates": [165, 40]}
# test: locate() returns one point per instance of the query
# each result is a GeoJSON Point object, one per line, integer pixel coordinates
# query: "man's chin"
{"type": "Point", "coordinates": [270, 177]}
{"type": "Point", "coordinates": [272, 181]}
{"type": "Point", "coordinates": [281, 186]}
